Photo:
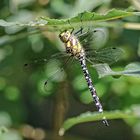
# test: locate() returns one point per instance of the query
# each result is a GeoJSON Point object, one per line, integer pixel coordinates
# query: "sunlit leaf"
{"type": "Point", "coordinates": [132, 69]}
{"type": "Point", "coordinates": [5, 23]}
{"type": "Point", "coordinates": [90, 116]}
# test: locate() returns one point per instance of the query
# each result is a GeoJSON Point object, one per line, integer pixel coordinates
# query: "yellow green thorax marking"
{"type": "Point", "coordinates": [71, 42]}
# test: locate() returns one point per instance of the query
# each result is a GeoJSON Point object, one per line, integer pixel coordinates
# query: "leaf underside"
{"type": "Point", "coordinates": [83, 19]}
{"type": "Point", "coordinates": [132, 69]}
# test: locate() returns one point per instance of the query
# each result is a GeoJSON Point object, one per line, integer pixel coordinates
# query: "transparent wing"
{"type": "Point", "coordinates": [105, 55]}
{"type": "Point", "coordinates": [42, 61]}
{"type": "Point", "coordinates": [92, 37]}
{"type": "Point", "coordinates": [89, 37]}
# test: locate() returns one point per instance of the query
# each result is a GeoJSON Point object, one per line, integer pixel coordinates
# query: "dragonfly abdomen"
{"type": "Point", "coordinates": [92, 88]}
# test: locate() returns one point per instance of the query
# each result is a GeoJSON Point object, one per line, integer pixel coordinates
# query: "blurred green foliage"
{"type": "Point", "coordinates": [25, 100]}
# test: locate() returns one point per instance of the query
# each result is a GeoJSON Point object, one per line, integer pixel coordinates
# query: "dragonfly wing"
{"type": "Point", "coordinates": [41, 61]}
{"type": "Point", "coordinates": [92, 37]}
{"type": "Point", "coordinates": [88, 39]}
{"type": "Point", "coordinates": [105, 55]}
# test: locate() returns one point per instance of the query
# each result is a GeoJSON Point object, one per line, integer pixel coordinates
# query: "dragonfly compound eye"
{"type": "Point", "coordinates": [64, 36]}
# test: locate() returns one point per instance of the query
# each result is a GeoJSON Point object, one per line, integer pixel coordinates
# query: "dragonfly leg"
{"type": "Point", "coordinates": [71, 26]}
{"type": "Point", "coordinates": [80, 30]}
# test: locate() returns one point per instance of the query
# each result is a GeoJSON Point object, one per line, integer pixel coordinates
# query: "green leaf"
{"type": "Point", "coordinates": [132, 69]}
{"type": "Point", "coordinates": [85, 18]}
{"type": "Point", "coordinates": [88, 18]}
{"type": "Point", "coordinates": [37, 23]}
{"type": "Point", "coordinates": [5, 23]}
{"type": "Point", "coordinates": [90, 116]}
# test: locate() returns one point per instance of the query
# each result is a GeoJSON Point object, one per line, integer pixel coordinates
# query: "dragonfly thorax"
{"type": "Point", "coordinates": [72, 44]}
{"type": "Point", "coordinates": [64, 36]}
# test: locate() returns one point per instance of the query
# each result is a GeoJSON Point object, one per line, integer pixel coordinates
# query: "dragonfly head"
{"type": "Point", "coordinates": [64, 36]}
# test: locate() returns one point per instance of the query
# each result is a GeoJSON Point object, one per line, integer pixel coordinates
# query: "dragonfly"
{"type": "Point", "coordinates": [78, 45]}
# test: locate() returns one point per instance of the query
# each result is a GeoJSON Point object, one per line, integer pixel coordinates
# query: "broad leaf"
{"type": "Point", "coordinates": [132, 69]}
{"type": "Point", "coordinates": [83, 19]}
{"type": "Point", "coordinates": [90, 116]}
